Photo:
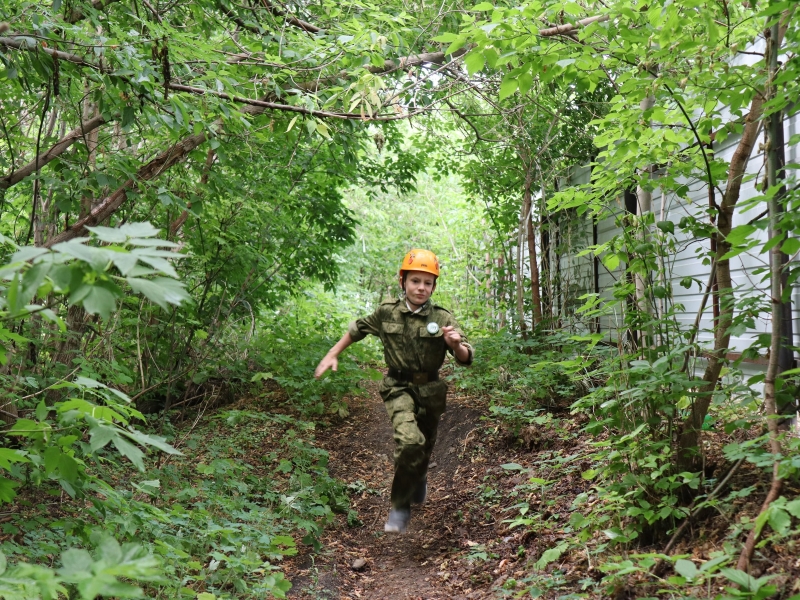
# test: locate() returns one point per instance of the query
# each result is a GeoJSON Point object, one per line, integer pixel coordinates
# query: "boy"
{"type": "Point", "coordinates": [415, 334]}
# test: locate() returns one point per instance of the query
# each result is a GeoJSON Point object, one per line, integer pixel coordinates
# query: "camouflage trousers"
{"type": "Point", "coordinates": [414, 411]}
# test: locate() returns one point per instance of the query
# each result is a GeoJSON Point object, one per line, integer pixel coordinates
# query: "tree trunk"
{"type": "Point", "coordinates": [177, 224]}
{"type": "Point", "coordinates": [544, 276]}
{"type": "Point", "coordinates": [500, 309]}
{"type": "Point", "coordinates": [689, 437]}
{"type": "Point", "coordinates": [644, 206]}
{"type": "Point", "coordinates": [523, 327]}
{"type": "Point", "coordinates": [774, 124]}
{"type": "Point", "coordinates": [527, 209]}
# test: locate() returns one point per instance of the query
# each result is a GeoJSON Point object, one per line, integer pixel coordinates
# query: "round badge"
{"type": "Point", "coordinates": [433, 328]}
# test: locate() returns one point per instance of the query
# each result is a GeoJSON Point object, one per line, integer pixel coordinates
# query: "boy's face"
{"type": "Point", "coordinates": [419, 286]}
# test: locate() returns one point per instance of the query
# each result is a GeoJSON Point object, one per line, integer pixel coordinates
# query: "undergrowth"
{"type": "Point", "coordinates": [602, 422]}
{"type": "Point", "coordinates": [213, 523]}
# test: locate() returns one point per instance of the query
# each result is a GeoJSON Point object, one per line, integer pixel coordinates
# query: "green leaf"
{"type": "Point", "coordinates": [52, 458]}
{"type": "Point", "coordinates": [131, 452]}
{"type": "Point", "coordinates": [474, 61]}
{"type": "Point", "coordinates": [128, 116]}
{"type": "Point", "coordinates": [456, 45]}
{"type": "Point", "coordinates": [96, 257]}
{"type": "Point", "coordinates": [68, 468]}
{"type": "Point", "coordinates": [686, 568]}
{"type": "Point", "coordinates": [75, 562]}
{"type": "Point", "coordinates": [99, 301]}
{"type": "Point", "coordinates": [483, 6]}
{"type": "Point", "coordinates": [549, 556]}
{"type": "Point", "coordinates": [739, 234]}
{"type": "Point", "coordinates": [160, 264]}
{"type": "Point", "coordinates": [793, 508]}
{"type": "Point", "coordinates": [161, 291]}
{"type": "Point", "coordinates": [101, 435]}
{"type": "Point", "coordinates": [738, 577]}
{"type": "Point", "coordinates": [611, 261]}
{"type": "Point", "coordinates": [779, 520]}
{"type": "Point", "coordinates": [151, 440]}
{"type": "Point", "coordinates": [790, 246]}
{"type": "Point", "coordinates": [27, 253]}
{"type": "Point", "coordinates": [512, 467]}
{"type": "Point", "coordinates": [508, 86]}
{"type": "Point", "coordinates": [666, 226]}
{"type": "Point", "coordinates": [13, 295]}
{"type": "Point", "coordinates": [7, 489]}
{"type": "Point", "coordinates": [8, 456]}
{"type": "Point", "coordinates": [374, 374]}
{"type": "Point", "coordinates": [31, 281]}
{"type": "Point", "coordinates": [525, 82]}
{"type": "Point", "coordinates": [446, 38]}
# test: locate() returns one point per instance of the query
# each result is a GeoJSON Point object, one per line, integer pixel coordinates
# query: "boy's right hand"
{"type": "Point", "coordinates": [329, 362]}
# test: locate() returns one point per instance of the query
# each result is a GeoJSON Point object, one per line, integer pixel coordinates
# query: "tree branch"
{"type": "Point", "coordinates": [26, 43]}
{"type": "Point", "coordinates": [304, 25]}
{"type": "Point", "coordinates": [78, 14]}
{"type": "Point", "coordinates": [111, 203]}
{"type": "Point", "coordinates": [570, 27]}
{"type": "Point", "coordinates": [56, 150]}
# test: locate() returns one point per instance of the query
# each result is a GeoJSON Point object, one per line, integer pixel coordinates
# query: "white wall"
{"type": "Point", "coordinates": [686, 262]}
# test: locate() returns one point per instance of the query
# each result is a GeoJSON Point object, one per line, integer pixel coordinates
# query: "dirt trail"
{"type": "Point", "coordinates": [419, 564]}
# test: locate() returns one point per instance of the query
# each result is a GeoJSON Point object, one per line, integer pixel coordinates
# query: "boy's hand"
{"type": "Point", "coordinates": [451, 337]}
{"type": "Point", "coordinates": [329, 362]}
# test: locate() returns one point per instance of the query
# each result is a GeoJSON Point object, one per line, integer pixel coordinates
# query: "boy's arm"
{"type": "Point", "coordinates": [356, 331]}
{"type": "Point", "coordinates": [331, 359]}
{"type": "Point", "coordinates": [458, 346]}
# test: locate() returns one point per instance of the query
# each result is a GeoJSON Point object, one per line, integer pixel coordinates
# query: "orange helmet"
{"type": "Point", "coordinates": [420, 260]}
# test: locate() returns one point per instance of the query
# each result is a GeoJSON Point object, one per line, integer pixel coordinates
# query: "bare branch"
{"type": "Point", "coordinates": [57, 149]}
{"type": "Point", "coordinates": [304, 25]}
{"type": "Point", "coordinates": [570, 27]}
{"type": "Point", "coordinates": [25, 43]}
{"type": "Point", "coordinates": [288, 107]}
{"type": "Point", "coordinates": [111, 203]}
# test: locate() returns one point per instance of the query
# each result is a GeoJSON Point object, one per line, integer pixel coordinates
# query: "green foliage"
{"type": "Point", "coordinates": [60, 439]}
{"type": "Point", "coordinates": [217, 518]}
{"type": "Point", "coordinates": [89, 576]}
{"type": "Point", "coordinates": [521, 376]}
{"type": "Point", "coordinates": [291, 342]}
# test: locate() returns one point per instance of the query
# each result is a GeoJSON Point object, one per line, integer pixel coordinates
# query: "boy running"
{"type": "Point", "coordinates": [415, 334]}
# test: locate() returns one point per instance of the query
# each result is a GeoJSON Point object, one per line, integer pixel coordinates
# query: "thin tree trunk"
{"type": "Point", "coordinates": [177, 224]}
{"type": "Point", "coordinates": [689, 437]}
{"type": "Point", "coordinates": [775, 124]}
{"type": "Point", "coordinates": [523, 327]}
{"type": "Point", "coordinates": [644, 206]}
{"type": "Point", "coordinates": [500, 287]}
{"type": "Point", "coordinates": [527, 209]}
{"type": "Point", "coordinates": [92, 139]}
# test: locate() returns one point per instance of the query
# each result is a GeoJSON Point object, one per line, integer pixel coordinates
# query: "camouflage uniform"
{"type": "Point", "coordinates": [414, 409]}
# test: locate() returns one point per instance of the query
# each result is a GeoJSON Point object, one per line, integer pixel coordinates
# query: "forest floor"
{"type": "Point", "coordinates": [458, 545]}
{"type": "Point", "coordinates": [497, 519]}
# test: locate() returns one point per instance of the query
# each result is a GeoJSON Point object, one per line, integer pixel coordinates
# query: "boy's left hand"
{"type": "Point", "coordinates": [451, 337]}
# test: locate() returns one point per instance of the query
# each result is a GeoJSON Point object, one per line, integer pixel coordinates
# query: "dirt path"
{"type": "Point", "coordinates": [424, 563]}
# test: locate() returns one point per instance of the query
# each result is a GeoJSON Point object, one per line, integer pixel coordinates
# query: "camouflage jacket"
{"type": "Point", "coordinates": [407, 344]}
